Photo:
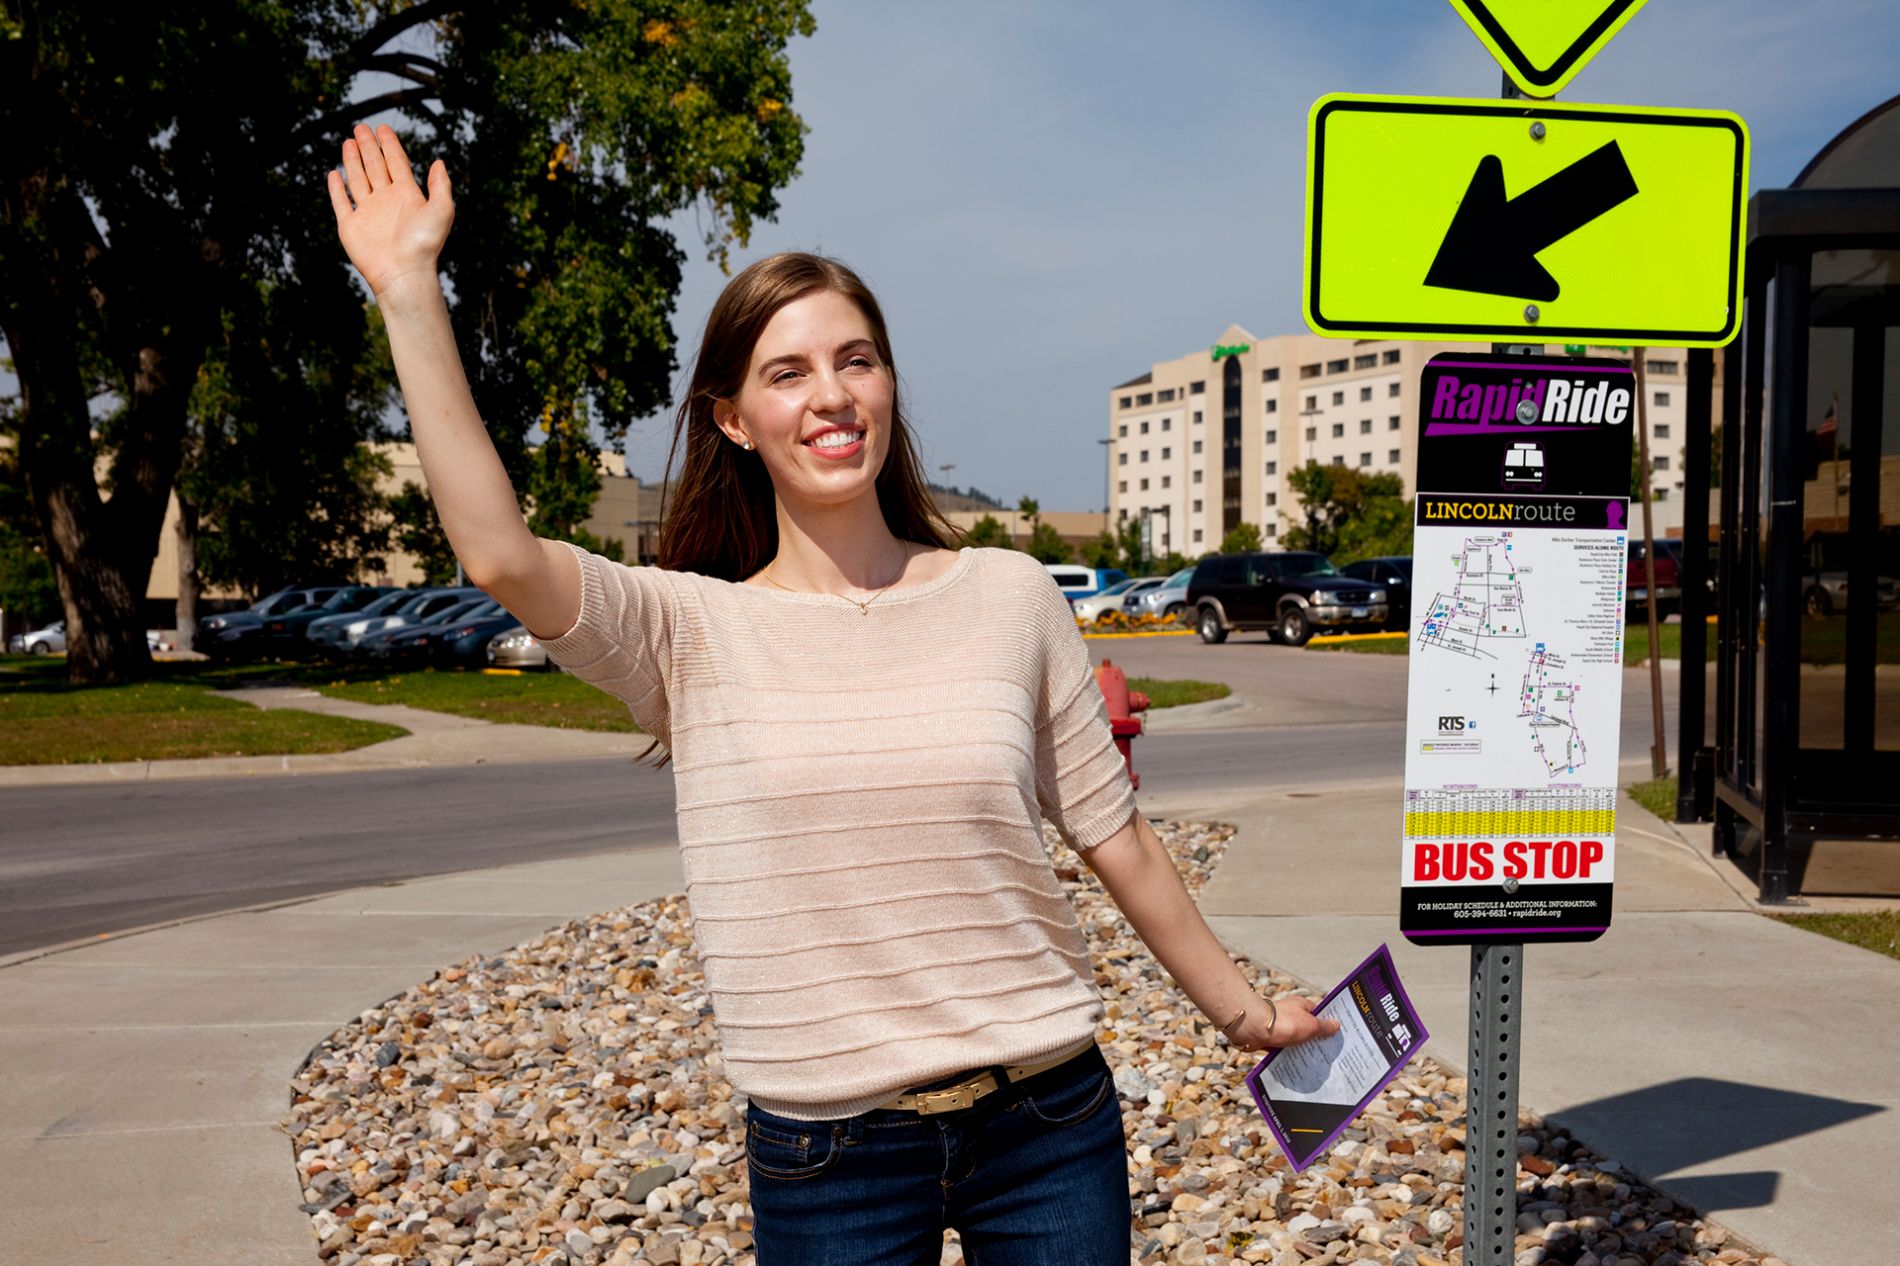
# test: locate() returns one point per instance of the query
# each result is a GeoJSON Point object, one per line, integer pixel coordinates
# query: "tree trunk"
{"type": "Point", "coordinates": [187, 620]}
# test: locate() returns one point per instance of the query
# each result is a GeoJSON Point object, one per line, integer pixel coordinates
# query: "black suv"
{"type": "Point", "coordinates": [1290, 595]}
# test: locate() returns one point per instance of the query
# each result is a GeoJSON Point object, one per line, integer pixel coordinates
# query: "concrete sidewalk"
{"type": "Point", "coordinates": [1743, 1065]}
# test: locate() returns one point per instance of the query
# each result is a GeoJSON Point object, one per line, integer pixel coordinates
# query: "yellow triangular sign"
{"type": "Point", "coordinates": [1543, 43]}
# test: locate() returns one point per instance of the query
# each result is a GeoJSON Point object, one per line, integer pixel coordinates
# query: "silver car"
{"type": "Point", "coordinates": [518, 648]}
{"type": "Point", "coordinates": [50, 640]}
{"type": "Point", "coordinates": [1097, 605]}
{"type": "Point", "coordinates": [1167, 600]}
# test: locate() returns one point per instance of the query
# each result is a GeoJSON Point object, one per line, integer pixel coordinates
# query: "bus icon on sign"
{"type": "Point", "coordinates": [1524, 466]}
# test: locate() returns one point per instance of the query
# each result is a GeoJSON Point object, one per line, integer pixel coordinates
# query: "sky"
{"type": "Point", "coordinates": [1049, 197]}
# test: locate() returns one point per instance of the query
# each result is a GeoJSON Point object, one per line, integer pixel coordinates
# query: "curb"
{"type": "Point", "coordinates": [1106, 637]}
{"type": "Point", "coordinates": [1339, 639]}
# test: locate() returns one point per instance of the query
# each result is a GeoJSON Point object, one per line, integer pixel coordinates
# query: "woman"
{"type": "Point", "coordinates": [867, 726]}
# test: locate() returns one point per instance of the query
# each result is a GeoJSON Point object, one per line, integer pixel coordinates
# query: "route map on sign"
{"type": "Point", "coordinates": [1551, 707]}
{"type": "Point", "coordinates": [1486, 602]}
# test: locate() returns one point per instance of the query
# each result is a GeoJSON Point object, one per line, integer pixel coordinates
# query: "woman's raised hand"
{"type": "Point", "coordinates": [390, 227]}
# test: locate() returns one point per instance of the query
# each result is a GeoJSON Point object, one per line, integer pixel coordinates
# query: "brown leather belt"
{"type": "Point", "coordinates": [970, 1089]}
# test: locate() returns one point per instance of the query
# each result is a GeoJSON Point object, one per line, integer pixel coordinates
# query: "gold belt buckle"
{"type": "Point", "coordinates": [949, 1099]}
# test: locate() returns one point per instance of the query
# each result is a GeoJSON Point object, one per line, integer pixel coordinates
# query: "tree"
{"type": "Point", "coordinates": [1349, 515]}
{"type": "Point", "coordinates": [27, 587]}
{"type": "Point", "coordinates": [1047, 546]}
{"type": "Point", "coordinates": [988, 531]}
{"type": "Point", "coordinates": [163, 178]}
{"type": "Point", "coordinates": [1103, 551]}
{"type": "Point", "coordinates": [1242, 538]}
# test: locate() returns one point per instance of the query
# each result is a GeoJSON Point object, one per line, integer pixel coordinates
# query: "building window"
{"type": "Point", "coordinates": [1339, 397]}
{"type": "Point", "coordinates": [1365, 459]}
{"type": "Point", "coordinates": [1336, 366]}
{"type": "Point", "coordinates": [1197, 507]}
{"type": "Point", "coordinates": [1144, 454]}
{"type": "Point", "coordinates": [1309, 371]}
{"type": "Point", "coordinates": [1127, 401]}
{"type": "Point", "coordinates": [1273, 437]}
{"type": "Point", "coordinates": [1392, 455]}
{"type": "Point", "coordinates": [1197, 476]}
{"type": "Point", "coordinates": [1392, 356]}
{"type": "Point", "coordinates": [1167, 480]}
{"type": "Point", "coordinates": [1662, 399]}
{"type": "Point", "coordinates": [1273, 406]}
{"type": "Point", "coordinates": [1273, 498]}
{"type": "Point", "coordinates": [1122, 431]}
{"type": "Point", "coordinates": [1124, 513]}
{"type": "Point", "coordinates": [1164, 395]}
{"type": "Point", "coordinates": [1662, 366]}
{"type": "Point", "coordinates": [1197, 446]}
{"type": "Point", "coordinates": [1145, 399]}
{"type": "Point", "coordinates": [1312, 402]}
{"type": "Point", "coordinates": [1270, 375]}
{"type": "Point", "coordinates": [1659, 463]}
{"type": "Point", "coordinates": [1272, 530]}
{"type": "Point", "coordinates": [1662, 430]}
{"type": "Point", "coordinates": [1312, 433]}
{"type": "Point", "coordinates": [1365, 426]}
{"type": "Point", "coordinates": [1659, 494]}
{"type": "Point", "coordinates": [1365, 362]}
{"type": "Point", "coordinates": [1197, 531]}
{"type": "Point", "coordinates": [1144, 485]}
{"type": "Point", "coordinates": [1339, 459]}
{"type": "Point", "coordinates": [1339, 429]}
{"type": "Point", "coordinates": [1197, 388]}
{"type": "Point", "coordinates": [1197, 415]}
{"type": "Point", "coordinates": [1392, 423]}
{"type": "Point", "coordinates": [1122, 487]}
{"type": "Point", "coordinates": [1121, 459]}
{"type": "Point", "coordinates": [1166, 453]}
{"type": "Point", "coordinates": [1144, 428]}
{"type": "Point", "coordinates": [1365, 393]}
{"type": "Point", "coordinates": [1273, 468]}
{"type": "Point", "coordinates": [1392, 389]}
{"type": "Point", "coordinates": [1167, 424]}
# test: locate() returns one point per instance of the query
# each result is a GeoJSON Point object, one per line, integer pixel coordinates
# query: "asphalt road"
{"type": "Point", "coordinates": [82, 861]}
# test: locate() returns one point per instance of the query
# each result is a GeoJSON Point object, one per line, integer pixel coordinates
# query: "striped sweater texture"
{"type": "Point", "coordinates": [860, 798]}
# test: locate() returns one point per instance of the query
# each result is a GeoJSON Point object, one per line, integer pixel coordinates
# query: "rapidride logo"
{"type": "Point", "coordinates": [1539, 402]}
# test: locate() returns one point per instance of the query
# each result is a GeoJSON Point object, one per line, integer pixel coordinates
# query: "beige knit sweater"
{"type": "Point", "coordinates": [860, 797]}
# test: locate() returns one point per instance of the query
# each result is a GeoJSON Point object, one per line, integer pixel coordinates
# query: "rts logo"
{"type": "Point", "coordinates": [1450, 725]}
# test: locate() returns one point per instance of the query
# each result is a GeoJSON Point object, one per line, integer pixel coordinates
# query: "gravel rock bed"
{"type": "Point", "coordinates": [562, 1103]}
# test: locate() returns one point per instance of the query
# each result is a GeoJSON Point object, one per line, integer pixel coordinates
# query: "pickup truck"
{"type": "Point", "coordinates": [1291, 595]}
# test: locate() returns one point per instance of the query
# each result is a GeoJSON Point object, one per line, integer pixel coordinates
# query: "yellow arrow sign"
{"type": "Point", "coordinates": [1543, 43]}
{"type": "Point", "coordinates": [1518, 221]}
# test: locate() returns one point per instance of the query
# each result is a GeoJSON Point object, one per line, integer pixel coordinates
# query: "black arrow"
{"type": "Point", "coordinates": [1491, 246]}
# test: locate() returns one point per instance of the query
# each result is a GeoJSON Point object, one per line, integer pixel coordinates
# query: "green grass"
{"type": "Point", "coordinates": [551, 699]}
{"type": "Point", "coordinates": [1368, 645]}
{"type": "Point", "coordinates": [1172, 694]}
{"type": "Point", "coordinates": [1658, 795]}
{"type": "Point", "coordinates": [1877, 930]}
{"type": "Point", "coordinates": [43, 721]}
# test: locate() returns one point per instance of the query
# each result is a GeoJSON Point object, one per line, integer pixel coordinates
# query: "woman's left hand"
{"type": "Point", "coordinates": [1292, 1022]}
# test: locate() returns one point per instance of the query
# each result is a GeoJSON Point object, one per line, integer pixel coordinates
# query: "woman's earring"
{"type": "Point", "coordinates": [747, 446]}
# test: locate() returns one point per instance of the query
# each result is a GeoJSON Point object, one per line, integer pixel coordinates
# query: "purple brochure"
{"type": "Point", "coordinates": [1310, 1093]}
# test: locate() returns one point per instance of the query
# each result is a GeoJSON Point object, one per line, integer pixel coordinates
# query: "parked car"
{"type": "Point", "coordinates": [47, 641]}
{"type": "Point", "coordinates": [1393, 574]}
{"type": "Point", "coordinates": [235, 633]}
{"type": "Point", "coordinates": [1291, 595]}
{"type": "Point", "coordinates": [1668, 579]}
{"type": "Point", "coordinates": [1167, 599]}
{"type": "Point", "coordinates": [515, 647]}
{"type": "Point", "coordinates": [430, 602]}
{"type": "Point", "coordinates": [325, 632]}
{"type": "Point", "coordinates": [1097, 605]}
{"type": "Point", "coordinates": [286, 631]}
{"type": "Point", "coordinates": [464, 642]}
{"type": "Point", "coordinates": [1825, 593]}
{"type": "Point", "coordinates": [416, 640]}
{"type": "Point", "coordinates": [1082, 582]}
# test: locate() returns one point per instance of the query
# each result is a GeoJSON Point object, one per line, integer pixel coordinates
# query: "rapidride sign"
{"type": "Point", "coordinates": [1519, 552]}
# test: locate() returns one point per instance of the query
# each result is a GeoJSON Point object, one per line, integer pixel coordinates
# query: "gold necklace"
{"type": "Point", "coordinates": [864, 607]}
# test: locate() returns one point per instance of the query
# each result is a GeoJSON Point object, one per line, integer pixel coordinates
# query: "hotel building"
{"type": "Point", "coordinates": [1204, 442]}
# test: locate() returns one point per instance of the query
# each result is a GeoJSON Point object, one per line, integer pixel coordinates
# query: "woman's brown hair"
{"type": "Point", "coordinates": [719, 517]}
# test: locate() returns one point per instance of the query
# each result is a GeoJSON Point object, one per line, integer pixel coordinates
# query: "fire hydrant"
{"type": "Point", "coordinates": [1122, 703]}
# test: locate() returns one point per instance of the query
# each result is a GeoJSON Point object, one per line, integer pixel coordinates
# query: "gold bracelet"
{"type": "Point", "coordinates": [1231, 1023]}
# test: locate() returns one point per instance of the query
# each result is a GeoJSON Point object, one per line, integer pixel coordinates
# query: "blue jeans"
{"type": "Point", "coordinates": [1034, 1174]}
